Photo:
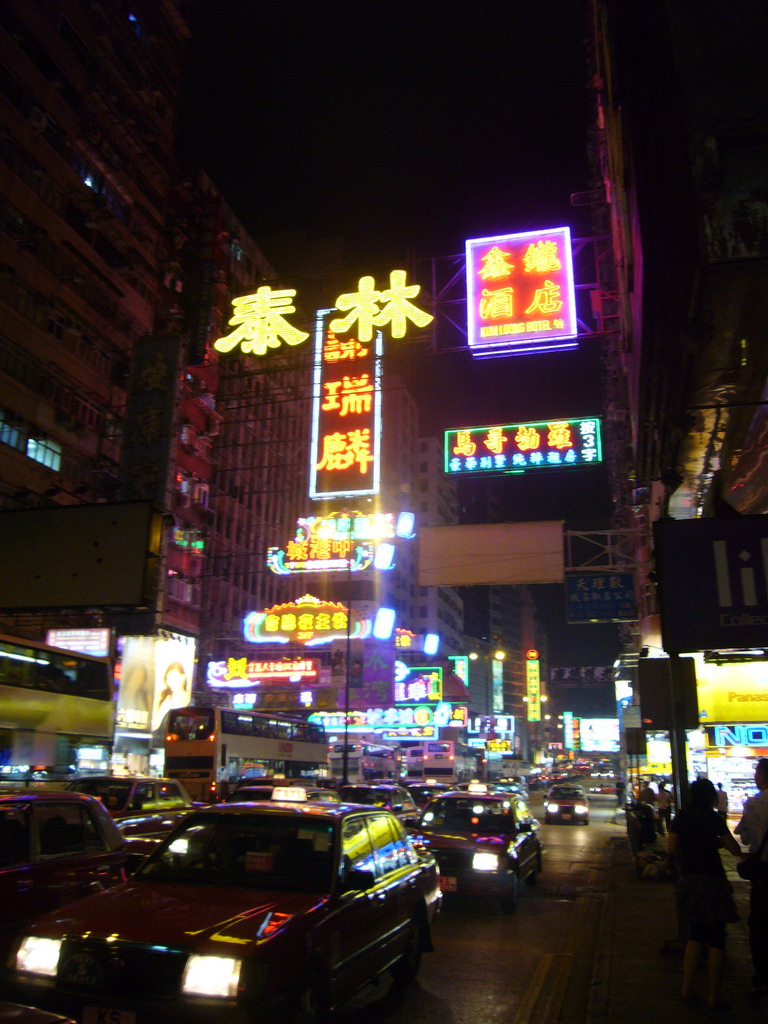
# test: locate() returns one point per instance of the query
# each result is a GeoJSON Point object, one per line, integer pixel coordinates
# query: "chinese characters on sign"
{"type": "Point", "coordinates": [418, 685]}
{"type": "Point", "coordinates": [260, 322]}
{"type": "Point", "coordinates": [237, 673]}
{"type": "Point", "coordinates": [346, 413]}
{"type": "Point", "coordinates": [405, 718]}
{"type": "Point", "coordinates": [341, 542]}
{"type": "Point", "coordinates": [601, 597]}
{"type": "Point", "coordinates": [307, 621]}
{"type": "Point", "coordinates": [533, 685]}
{"type": "Point", "coordinates": [515, 448]}
{"type": "Point", "coordinates": [520, 294]}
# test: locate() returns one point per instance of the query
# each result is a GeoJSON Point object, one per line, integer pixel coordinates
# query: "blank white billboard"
{"type": "Point", "coordinates": [491, 554]}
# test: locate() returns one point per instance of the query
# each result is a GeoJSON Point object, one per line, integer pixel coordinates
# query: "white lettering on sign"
{"type": "Point", "coordinates": [741, 735]}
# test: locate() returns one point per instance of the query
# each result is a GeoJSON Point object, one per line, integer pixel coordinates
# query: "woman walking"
{"type": "Point", "coordinates": [704, 894]}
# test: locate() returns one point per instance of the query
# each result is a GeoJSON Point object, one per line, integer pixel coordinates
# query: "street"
{"type": "Point", "coordinates": [491, 967]}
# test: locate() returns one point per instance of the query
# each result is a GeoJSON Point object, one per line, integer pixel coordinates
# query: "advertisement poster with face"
{"type": "Point", "coordinates": [174, 665]}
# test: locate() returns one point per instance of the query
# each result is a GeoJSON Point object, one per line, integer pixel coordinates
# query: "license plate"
{"type": "Point", "coordinates": [101, 1015]}
{"type": "Point", "coordinates": [447, 884]}
{"type": "Point", "coordinates": [567, 817]}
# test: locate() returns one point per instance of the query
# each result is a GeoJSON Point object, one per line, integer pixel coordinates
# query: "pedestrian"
{"type": "Point", "coordinates": [620, 791]}
{"type": "Point", "coordinates": [664, 807]}
{"type": "Point", "coordinates": [722, 801]}
{"type": "Point", "coordinates": [752, 829]}
{"type": "Point", "coordinates": [704, 895]}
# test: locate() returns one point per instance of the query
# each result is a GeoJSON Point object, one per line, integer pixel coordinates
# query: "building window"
{"type": "Point", "coordinates": [44, 451]}
{"type": "Point", "coordinates": [10, 432]}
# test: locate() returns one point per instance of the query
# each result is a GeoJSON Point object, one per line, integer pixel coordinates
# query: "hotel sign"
{"type": "Point", "coordinates": [519, 447]}
{"type": "Point", "coordinates": [520, 293]}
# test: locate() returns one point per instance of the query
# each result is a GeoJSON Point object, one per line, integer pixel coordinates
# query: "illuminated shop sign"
{"type": "Point", "coordinates": [346, 413]}
{"type": "Point", "coordinates": [414, 685]}
{"type": "Point", "coordinates": [277, 699]}
{"type": "Point", "coordinates": [518, 447]}
{"type": "Point", "coordinates": [235, 673]}
{"type": "Point", "coordinates": [599, 735]}
{"type": "Point", "coordinates": [533, 685]}
{"type": "Point", "coordinates": [520, 294]}
{"type": "Point", "coordinates": [341, 542]}
{"type": "Point", "coordinates": [261, 320]}
{"type": "Point", "coordinates": [438, 716]}
{"type": "Point", "coordinates": [738, 735]}
{"type": "Point", "coordinates": [498, 746]}
{"type": "Point", "coordinates": [568, 730]}
{"type": "Point", "coordinates": [97, 642]}
{"type": "Point", "coordinates": [307, 621]}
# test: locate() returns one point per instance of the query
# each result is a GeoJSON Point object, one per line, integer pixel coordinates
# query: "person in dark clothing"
{"type": "Point", "coordinates": [704, 894]}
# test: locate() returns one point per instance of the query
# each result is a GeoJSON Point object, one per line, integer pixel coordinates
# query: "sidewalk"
{"type": "Point", "coordinates": [637, 966]}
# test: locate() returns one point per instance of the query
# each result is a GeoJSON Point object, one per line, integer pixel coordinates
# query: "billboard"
{"type": "Point", "coordinates": [732, 692]}
{"type": "Point", "coordinates": [599, 735]}
{"type": "Point", "coordinates": [75, 556]}
{"type": "Point", "coordinates": [345, 459]}
{"type": "Point", "coordinates": [339, 542]}
{"type": "Point", "coordinates": [520, 293]}
{"type": "Point", "coordinates": [493, 553]}
{"type": "Point", "coordinates": [155, 676]}
{"type": "Point", "coordinates": [519, 447]}
{"type": "Point", "coordinates": [712, 583]}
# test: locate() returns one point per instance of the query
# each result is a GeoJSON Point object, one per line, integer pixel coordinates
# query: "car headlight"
{"type": "Point", "coordinates": [581, 808]}
{"type": "Point", "coordinates": [485, 862]}
{"type": "Point", "coordinates": [216, 976]}
{"type": "Point", "coordinates": [553, 808]}
{"type": "Point", "coordinates": [38, 956]}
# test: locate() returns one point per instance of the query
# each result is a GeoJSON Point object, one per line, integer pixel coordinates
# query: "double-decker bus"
{"type": "Point", "coordinates": [56, 710]}
{"type": "Point", "coordinates": [366, 762]}
{"type": "Point", "coordinates": [209, 749]}
{"type": "Point", "coordinates": [442, 760]}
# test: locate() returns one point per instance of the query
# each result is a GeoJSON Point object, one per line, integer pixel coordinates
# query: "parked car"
{"type": "Point", "coordinates": [566, 802]}
{"type": "Point", "coordinates": [485, 843]}
{"type": "Point", "coordinates": [246, 912]}
{"type": "Point", "coordinates": [55, 847]}
{"type": "Point", "coordinates": [396, 799]}
{"type": "Point", "coordinates": [128, 795]}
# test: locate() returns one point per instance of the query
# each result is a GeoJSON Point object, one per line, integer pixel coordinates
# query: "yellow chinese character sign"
{"type": "Point", "coordinates": [260, 322]}
{"type": "Point", "coordinates": [520, 293]}
{"type": "Point", "coordinates": [308, 620]}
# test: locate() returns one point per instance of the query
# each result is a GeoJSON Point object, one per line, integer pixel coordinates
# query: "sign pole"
{"type": "Point", "coordinates": [347, 679]}
{"type": "Point", "coordinates": [677, 739]}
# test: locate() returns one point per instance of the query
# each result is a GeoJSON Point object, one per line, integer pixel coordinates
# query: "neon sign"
{"type": "Point", "coordinates": [369, 307]}
{"type": "Point", "coordinates": [346, 414]}
{"type": "Point", "coordinates": [260, 322]}
{"type": "Point", "coordinates": [518, 447]}
{"type": "Point", "coordinates": [421, 716]}
{"type": "Point", "coordinates": [237, 673]}
{"type": "Point", "coordinates": [520, 294]}
{"type": "Point", "coordinates": [533, 685]}
{"type": "Point", "coordinates": [739, 735]}
{"type": "Point", "coordinates": [417, 685]}
{"type": "Point", "coordinates": [341, 542]}
{"type": "Point", "coordinates": [308, 621]}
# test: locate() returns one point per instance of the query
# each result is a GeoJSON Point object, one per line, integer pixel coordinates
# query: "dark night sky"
{"type": "Point", "coordinates": [406, 128]}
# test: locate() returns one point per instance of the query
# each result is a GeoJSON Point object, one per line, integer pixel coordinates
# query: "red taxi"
{"type": "Point", "coordinates": [246, 912]}
{"type": "Point", "coordinates": [485, 843]}
{"type": "Point", "coordinates": [55, 847]}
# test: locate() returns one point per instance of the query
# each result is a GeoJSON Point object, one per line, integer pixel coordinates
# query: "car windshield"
{"type": "Point", "coordinates": [365, 795]}
{"type": "Point", "coordinates": [255, 851]}
{"type": "Point", "coordinates": [475, 814]}
{"type": "Point", "coordinates": [113, 793]}
{"type": "Point", "coordinates": [567, 793]}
